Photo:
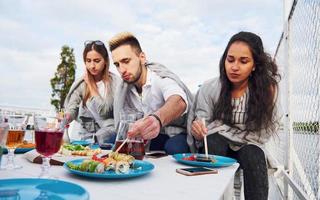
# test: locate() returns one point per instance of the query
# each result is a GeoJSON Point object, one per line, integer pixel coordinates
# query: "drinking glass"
{"type": "Point", "coordinates": [133, 146]}
{"type": "Point", "coordinates": [48, 136]}
{"type": "Point", "coordinates": [4, 127]}
{"type": "Point", "coordinates": [14, 138]}
{"type": "Point", "coordinates": [64, 122]}
{"type": "Point", "coordinates": [94, 139]}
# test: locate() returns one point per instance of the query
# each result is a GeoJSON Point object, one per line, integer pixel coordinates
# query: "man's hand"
{"type": "Point", "coordinates": [148, 128]}
{"type": "Point", "coordinates": [198, 129]}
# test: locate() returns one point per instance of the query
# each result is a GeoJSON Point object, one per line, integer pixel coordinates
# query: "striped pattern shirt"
{"type": "Point", "coordinates": [239, 109]}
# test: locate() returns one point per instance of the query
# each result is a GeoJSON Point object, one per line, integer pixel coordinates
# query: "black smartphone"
{"type": "Point", "coordinates": [204, 159]}
{"type": "Point", "coordinates": [106, 146]}
{"type": "Point", "coordinates": [193, 171]}
{"type": "Point", "coordinates": [156, 154]}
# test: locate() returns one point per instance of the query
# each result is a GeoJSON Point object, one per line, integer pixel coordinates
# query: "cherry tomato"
{"type": "Point", "coordinates": [190, 158]}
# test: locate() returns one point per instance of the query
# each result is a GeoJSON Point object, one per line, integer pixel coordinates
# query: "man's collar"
{"type": "Point", "coordinates": [148, 79]}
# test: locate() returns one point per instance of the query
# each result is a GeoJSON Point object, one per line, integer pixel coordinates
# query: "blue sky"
{"type": "Point", "coordinates": [187, 36]}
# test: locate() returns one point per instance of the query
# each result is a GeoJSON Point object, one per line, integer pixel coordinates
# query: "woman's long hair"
{"type": "Point", "coordinates": [263, 87]}
{"type": "Point", "coordinates": [101, 49]}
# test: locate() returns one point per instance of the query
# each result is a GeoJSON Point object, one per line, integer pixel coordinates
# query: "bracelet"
{"type": "Point", "coordinates": [157, 118]}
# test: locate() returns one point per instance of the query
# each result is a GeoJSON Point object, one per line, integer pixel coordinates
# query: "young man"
{"type": "Point", "coordinates": [154, 90]}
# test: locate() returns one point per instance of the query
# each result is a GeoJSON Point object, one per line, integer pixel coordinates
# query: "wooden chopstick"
{"type": "Point", "coordinates": [205, 139]}
{"type": "Point", "coordinates": [125, 141]}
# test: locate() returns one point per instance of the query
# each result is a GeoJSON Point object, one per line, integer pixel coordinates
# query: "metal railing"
{"type": "Point", "coordinates": [297, 147]}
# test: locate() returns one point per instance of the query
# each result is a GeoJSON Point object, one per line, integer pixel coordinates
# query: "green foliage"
{"type": "Point", "coordinates": [63, 77]}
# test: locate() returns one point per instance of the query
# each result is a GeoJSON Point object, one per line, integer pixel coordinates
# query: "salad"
{"type": "Point", "coordinates": [78, 150]}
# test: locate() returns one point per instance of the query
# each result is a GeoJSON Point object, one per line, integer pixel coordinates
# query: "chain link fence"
{"type": "Point", "coordinates": [297, 147]}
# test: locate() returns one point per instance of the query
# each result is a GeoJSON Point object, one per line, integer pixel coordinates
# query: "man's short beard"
{"type": "Point", "coordinates": [138, 77]}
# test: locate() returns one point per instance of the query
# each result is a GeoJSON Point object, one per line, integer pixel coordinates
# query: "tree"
{"type": "Point", "coordinates": [63, 78]}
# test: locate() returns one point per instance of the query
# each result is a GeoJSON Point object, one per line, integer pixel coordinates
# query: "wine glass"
{"type": "Point", "coordinates": [133, 146]}
{"type": "Point", "coordinates": [4, 127]}
{"type": "Point", "coordinates": [93, 140]}
{"type": "Point", "coordinates": [64, 122]}
{"type": "Point", "coordinates": [48, 136]}
{"type": "Point", "coordinates": [14, 138]}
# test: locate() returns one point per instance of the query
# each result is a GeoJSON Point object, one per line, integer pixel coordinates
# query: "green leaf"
{"type": "Point", "coordinates": [63, 77]}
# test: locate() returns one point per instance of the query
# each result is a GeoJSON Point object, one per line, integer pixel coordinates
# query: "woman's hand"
{"type": "Point", "coordinates": [198, 129]}
{"type": "Point", "coordinates": [68, 117]}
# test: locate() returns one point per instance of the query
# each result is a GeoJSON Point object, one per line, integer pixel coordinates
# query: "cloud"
{"type": "Point", "coordinates": [25, 77]}
{"type": "Point", "coordinates": [186, 36]}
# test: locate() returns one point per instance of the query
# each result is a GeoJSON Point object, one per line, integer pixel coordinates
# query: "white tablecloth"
{"type": "Point", "coordinates": [161, 184]}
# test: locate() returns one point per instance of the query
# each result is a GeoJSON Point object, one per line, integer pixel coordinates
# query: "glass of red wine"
{"type": "Point", "coordinates": [133, 146]}
{"type": "Point", "coordinates": [48, 137]}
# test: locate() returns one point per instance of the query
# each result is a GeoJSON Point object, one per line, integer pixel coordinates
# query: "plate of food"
{"type": "Point", "coordinates": [203, 161]}
{"type": "Point", "coordinates": [81, 142]}
{"type": "Point", "coordinates": [115, 166]}
{"type": "Point", "coordinates": [66, 153]}
{"type": "Point", "coordinates": [78, 150]}
{"type": "Point", "coordinates": [35, 188]}
{"type": "Point", "coordinates": [23, 148]}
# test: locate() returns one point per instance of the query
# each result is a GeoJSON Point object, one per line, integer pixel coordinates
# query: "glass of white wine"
{"type": "Point", "coordinates": [14, 138]}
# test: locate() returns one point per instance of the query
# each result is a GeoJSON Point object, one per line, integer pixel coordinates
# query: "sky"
{"type": "Point", "coordinates": [187, 36]}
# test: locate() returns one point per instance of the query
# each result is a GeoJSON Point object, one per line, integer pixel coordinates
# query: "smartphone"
{"type": "Point", "coordinates": [204, 159]}
{"type": "Point", "coordinates": [193, 171]}
{"type": "Point", "coordinates": [106, 146]}
{"type": "Point", "coordinates": [156, 154]}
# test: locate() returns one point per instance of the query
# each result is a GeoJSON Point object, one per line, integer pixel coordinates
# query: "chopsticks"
{"type": "Point", "coordinates": [205, 139]}
{"type": "Point", "coordinates": [125, 141]}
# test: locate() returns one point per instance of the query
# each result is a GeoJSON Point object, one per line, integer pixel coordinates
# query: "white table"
{"type": "Point", "coordinates": [161, 184]}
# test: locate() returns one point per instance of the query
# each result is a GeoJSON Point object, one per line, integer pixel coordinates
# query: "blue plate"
{"type": "Point", "coordinates": [41, 189]}
{"type": "Point", "coordinates": [221, 161]}
{"type": "Point", "coordinates": [81, 142]}
{"type": "Point", "coordinates": [18, 150]}
{"type": "Point", "coordinates": [139, 168]}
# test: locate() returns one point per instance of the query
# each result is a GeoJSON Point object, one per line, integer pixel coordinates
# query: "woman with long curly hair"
{"type": "Point", "coordinates": [240, 110]}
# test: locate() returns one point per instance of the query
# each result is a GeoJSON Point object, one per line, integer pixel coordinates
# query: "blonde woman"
{"type": "Point", "coordinates": [90, 99]}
